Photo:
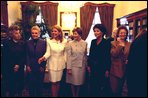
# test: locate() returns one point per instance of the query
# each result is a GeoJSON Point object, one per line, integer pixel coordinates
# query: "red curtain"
{"type": "Point", "coordinates": [28, 20]}
{"type": "Point", "coordinates": [106, 12]}
{"type": "Point", "coordinates": [86, 18]}
{"type": "Point", "coordinates": [4, 13]}
{"type": "Point", "coordinates": [50, 13]}
{"type": "Point", "coordinates": [26, 17]}
{"type": "Point", "coordinates": [87, 12]}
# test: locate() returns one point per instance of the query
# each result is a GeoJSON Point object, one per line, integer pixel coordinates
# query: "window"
{"type": "Point", "coordinates": [91, 35]}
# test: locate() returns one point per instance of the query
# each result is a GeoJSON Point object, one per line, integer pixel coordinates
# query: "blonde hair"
{"type": "Point", "coordinates": [113, 33]}
{"type": "Point", "coordinates": [35, 28]}
{"type": "Point", "coordinates": [14, 27]}
{"type": "Point", "coordinates": [59, 30]}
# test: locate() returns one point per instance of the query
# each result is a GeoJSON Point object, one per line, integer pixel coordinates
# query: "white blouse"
{"type": "Point", "coordinates": [55, 54]}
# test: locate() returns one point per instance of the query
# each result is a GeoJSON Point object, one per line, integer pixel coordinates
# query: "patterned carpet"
{"type": "Point", "coordinates": [66, 91]}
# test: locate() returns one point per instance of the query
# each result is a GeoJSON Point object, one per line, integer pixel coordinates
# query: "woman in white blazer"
{"type": "Point", "coordinates": [76, 61]}
{"type": "Point", "coordinates": [56, 58]}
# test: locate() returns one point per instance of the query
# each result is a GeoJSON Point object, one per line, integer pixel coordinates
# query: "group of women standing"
{"type": "Point", "coordinates": [105, 59]}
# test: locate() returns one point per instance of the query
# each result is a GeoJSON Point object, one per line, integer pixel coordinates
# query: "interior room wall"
{"type": "Point", "coordinates": [121, 8]}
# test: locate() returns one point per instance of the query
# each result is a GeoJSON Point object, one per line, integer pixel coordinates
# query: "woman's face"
{"type": "Point", "coordinates": [122, 34]}
{"type": "Point", "coordinates": [55, 33]}
{"type": "Point", "coordinates": [98, 33]}
{"type": "Point", "coordinates": [4, 35]}
{"type": "Point", "coordinates": [16, 35]}
{"type": "Point", "coordinates": [76, 35]}
{"type": "Point", "coordinates": [35, 34]}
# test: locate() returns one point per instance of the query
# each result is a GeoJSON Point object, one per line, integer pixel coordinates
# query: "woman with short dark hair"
{"type": "Point", "coordinates": [76, 61]}
{"type": "Point", "coordinates": [14, 52]}
{"type": "Point", "coordinates": [119, 53]}
{"type": "Point", "coordinates": [98, 61]}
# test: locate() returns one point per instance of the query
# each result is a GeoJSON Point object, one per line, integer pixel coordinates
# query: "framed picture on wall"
{"type": "Point", "coordinates": [68, 19]}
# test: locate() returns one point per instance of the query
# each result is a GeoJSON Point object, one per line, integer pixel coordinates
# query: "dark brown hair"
{"type": "Point", "coordinates": [122, 27]}
{"type": "Point", "coordinates": [101, 27]}
{"type": "Point", "coordinates": [78, 30]}
{"type": "Point", "coordinates": [14, 27]}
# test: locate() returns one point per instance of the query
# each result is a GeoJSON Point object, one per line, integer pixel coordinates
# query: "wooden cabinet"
{"type": "Point", "coordinates": [135, 22]}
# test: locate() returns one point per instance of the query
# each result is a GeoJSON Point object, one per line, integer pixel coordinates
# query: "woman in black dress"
{"type": "Point", "coordinates": [98, 61]}
{"type": "Point", "coordinates": [14, 54]}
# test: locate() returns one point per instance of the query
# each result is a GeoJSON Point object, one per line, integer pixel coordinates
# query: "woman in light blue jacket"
{"type": "Point", "coordinates": [76, 61]}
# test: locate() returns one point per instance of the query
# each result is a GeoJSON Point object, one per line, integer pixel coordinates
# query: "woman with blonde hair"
{"type": "Point", "coordinates": [56, 58]}
{"type": "Point", "coordinates": [36, 48]}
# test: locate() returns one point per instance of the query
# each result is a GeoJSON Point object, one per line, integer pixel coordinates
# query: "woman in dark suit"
{"type": "Point", "coordinates": [14, 54]}
{"type": "Point", "coordinates": [98, 61]}
{"type": "Point", "coordinates": [4, 38]}
{"type": "Point", "coordinates": [36, 48]}
{"type": "Point", "coordinates": [136, 71]}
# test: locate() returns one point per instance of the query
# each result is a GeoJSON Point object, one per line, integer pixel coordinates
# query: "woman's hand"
{"type": "Point", "coordinates": [41, 69]}
{"type": "Point", "coordinates": [121, 42]}
{"type": "Point", "coordinates": [28, 69]}
{"type": "Point", "coordinates": [88, 68]}
{"type": "Point", "coordinates": [41, 60]}
{"type": "Point", "coordinates": [106, 73]}
{"type": "Point", "coordinates": [126, 61]}
{"type": "Point", "coordinates": [16, 67]}
{"type": "Point", "coordinates": [69, 71]}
